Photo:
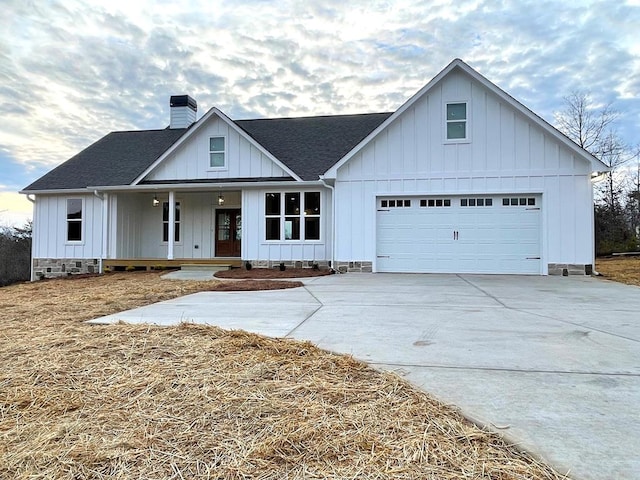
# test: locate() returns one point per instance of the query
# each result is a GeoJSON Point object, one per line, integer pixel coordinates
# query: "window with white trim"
{"type": "Point", "coordinates": [292, 216]}
{"type": "Point", "coordinates": [217, 152]}
{"type": "Point", "coordinates": [165, 222]}
{"type": "Point", "coordinates": [74, 220]}
{"type": "Point", "coordinates": [456, 121]}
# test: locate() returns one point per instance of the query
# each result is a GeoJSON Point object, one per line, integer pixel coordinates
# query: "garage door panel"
{"type": "Point", "coordinates": [502, 236]}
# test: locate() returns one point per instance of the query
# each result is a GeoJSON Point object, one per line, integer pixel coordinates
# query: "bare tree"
{"type": "Point", "coordinates": [592, 128]}
{"type": "Point", "coordinates": [584, 124]}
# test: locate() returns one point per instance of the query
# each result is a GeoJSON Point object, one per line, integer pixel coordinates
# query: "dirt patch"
{"type": "Point", "coordinates": [124, 401]}
{"type": "Point", "coordinates": [257, 273]}
{"type": "Point", "coordinates": [620, 269]}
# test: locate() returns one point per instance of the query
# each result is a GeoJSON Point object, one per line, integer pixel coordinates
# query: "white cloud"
{"type": "Point", "coordinates": [72, 71]}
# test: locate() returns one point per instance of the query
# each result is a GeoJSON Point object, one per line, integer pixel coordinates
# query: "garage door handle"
{"type": "Point", "coordinates": [533, 258]}
{"type": "Point", "coordinates": [382, 256]}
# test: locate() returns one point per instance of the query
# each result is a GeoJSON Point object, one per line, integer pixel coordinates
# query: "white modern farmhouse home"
{"type": "Point", "coordinates": [461, 178]}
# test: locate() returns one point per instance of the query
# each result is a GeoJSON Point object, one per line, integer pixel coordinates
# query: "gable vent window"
{"type": "Point", "coordinates": [74, 220]}
{"type": "Point", "coordinates": [456, 121]}
{"type": "Point", "coordinates": [217, 152]}
{"type": "Point", "coordinates": [165, 222]}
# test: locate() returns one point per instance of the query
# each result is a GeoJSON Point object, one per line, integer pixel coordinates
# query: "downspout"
{"type": "Point", "coordinates": [33, 231]}
{"type": "Point", "coordinates": [105, 228]}
{"type": "Point", "coordinates": [333, 222]}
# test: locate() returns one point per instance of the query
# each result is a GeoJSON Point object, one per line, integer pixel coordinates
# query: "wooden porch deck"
{"type": "Point", "coordinates": [164, 264]}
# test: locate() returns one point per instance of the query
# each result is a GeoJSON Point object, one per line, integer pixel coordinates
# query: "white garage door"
{"type": "Point", "coordinates": [471, 234]}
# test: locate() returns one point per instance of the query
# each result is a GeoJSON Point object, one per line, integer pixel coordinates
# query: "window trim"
{"type": "Point", "coordinates": [467, 121]}
{"type": "Point", "coordinates": [80, 221]}
{"type": "Point", "coordinates": [176, 223]}
{"type": "Point", "coordinates": [224, 152]}
{"type": "Point", "coordinates": [282, 216]}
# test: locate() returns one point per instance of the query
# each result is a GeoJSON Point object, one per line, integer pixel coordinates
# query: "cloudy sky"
{"type": "Point", "coordinates": [72, 71]}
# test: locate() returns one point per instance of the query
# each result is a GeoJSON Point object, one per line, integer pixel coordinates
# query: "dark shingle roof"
{"type": "Point", "coordinates": [116, 159]}
{"type": "Point", "coordinates": [311, 145]}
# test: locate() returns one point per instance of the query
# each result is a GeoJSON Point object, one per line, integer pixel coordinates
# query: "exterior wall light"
{"type": "Point", "coordinates": [155, 201]}
{"type": "Point", "coordinates": [220, 199]}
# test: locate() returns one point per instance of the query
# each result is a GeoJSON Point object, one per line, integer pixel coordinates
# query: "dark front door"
{"type": "Point", "coordinates": [228, 232]}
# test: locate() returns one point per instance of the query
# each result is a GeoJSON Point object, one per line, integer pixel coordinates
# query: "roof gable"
{"type": "Point", "coordinates": [197, 127]}
{"type": "Point", "coordinates": [458, 64]}
{"type": "Point", "coordinates": [116, 159]}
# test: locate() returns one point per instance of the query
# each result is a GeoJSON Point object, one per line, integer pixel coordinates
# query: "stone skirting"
{"type": "Point", "coordinates": [62, 267]}
{"type": "Point", "coordinates": [566, 269]}
{"type": "Point", "coordinates": [342, 267]}
{"type": "Point", "coordinates": [324, 264]}
{"type": "Point", "coordinates": [358, 267]}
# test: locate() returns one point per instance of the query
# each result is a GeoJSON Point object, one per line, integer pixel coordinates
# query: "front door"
{"type": "Point", "coordinates": [228, 232]}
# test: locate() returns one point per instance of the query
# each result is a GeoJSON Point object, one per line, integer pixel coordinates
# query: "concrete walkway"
{"type": "Point", "coordinates": [553, 363]}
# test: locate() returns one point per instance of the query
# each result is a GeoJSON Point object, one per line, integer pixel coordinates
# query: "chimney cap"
{"type": "Point", "coordinates": [183, 101]}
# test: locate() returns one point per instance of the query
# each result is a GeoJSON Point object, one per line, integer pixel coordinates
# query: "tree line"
{"type": "Point", "coordinates": [15, 254]}
{"type": "Point", "coordinates": [617, 192]}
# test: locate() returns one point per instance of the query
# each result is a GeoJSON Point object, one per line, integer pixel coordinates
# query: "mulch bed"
{"type": "Point", "coordinates": [257, 273]}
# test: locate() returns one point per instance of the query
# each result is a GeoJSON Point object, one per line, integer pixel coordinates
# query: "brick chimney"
{"type": "Point", "coordinates": [183, 111]}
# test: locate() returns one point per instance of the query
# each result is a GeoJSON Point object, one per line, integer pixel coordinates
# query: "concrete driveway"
{"type": "Point", "coordinates": [553, 363]}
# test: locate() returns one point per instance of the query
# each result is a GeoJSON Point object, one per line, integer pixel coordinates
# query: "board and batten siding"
{"type": "Point", "coordinates": [506, 153]}
{"type": "Point", "coordinates": [254, 245]}
{"type": "Point", "coordinates": [191, 160]}
{"type": "Point", "coordinates": [50, 235]}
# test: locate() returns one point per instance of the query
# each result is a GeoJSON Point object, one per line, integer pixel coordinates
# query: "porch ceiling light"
{"type": "Point", "coordinates": [155, 201]}
{"type": "Point", "coordinates": [220, 199]}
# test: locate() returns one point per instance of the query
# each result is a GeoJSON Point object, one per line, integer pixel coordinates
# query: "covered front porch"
{"type": "Point", "coordinates": [168, 228]}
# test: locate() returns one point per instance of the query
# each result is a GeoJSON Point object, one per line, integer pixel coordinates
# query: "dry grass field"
{"type": "Point", "coordinates": [620, 269]}
{"type": "Point", "coordinates": [81, 401]}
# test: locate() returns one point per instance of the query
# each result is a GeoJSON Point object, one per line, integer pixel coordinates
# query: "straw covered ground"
{"type": "Point", "coordinates": [620, 269]}
{"type": "Point", "coordinates": [83, 401]}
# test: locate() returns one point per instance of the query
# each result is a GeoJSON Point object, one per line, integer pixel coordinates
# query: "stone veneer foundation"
{"type": "Point", "coordinates": [61, 267]}
{"type": "Point", "coordinates": [342, 267]}
{"type": "Point", "coordinates": [566, 269]}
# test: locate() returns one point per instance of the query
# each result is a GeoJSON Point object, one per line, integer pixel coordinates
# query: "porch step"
{"type": "Point", "coordinates": [203, 267]}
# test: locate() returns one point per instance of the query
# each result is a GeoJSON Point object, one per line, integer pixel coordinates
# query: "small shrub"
{"type": "Point", "coordinates": [248, 266]}
{"type": "Point", "coordinates": [282, 267]}
{"type": "Point", "coordinates": [130, 268]}
{"type": "Point", "coordinates": [106, 269]}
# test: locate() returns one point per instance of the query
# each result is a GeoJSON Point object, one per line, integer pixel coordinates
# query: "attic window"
{"type": "Point", "coordinates": [217, 152]}
{"type": "Point", "coordinates": [456, 121]}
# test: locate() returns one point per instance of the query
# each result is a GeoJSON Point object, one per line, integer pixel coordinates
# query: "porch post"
{"type": "Point", "coordinates": [172, 224]}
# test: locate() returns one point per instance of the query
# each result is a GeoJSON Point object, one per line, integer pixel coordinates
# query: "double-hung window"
{"type": "Point", "coordinates": [165, 222]}
{"type": "Point", "coordinates": [74, 220]}
{"type": "Point", "coordinates": [456, 121]}
{"type": "Point", "coordinates": [217, 152]}
{"type": "Point", "coordinates": [292, 216]}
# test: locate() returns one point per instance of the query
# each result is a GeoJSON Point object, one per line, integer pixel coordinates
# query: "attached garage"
{"type": "Point", "coordinates": [459, 234]}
